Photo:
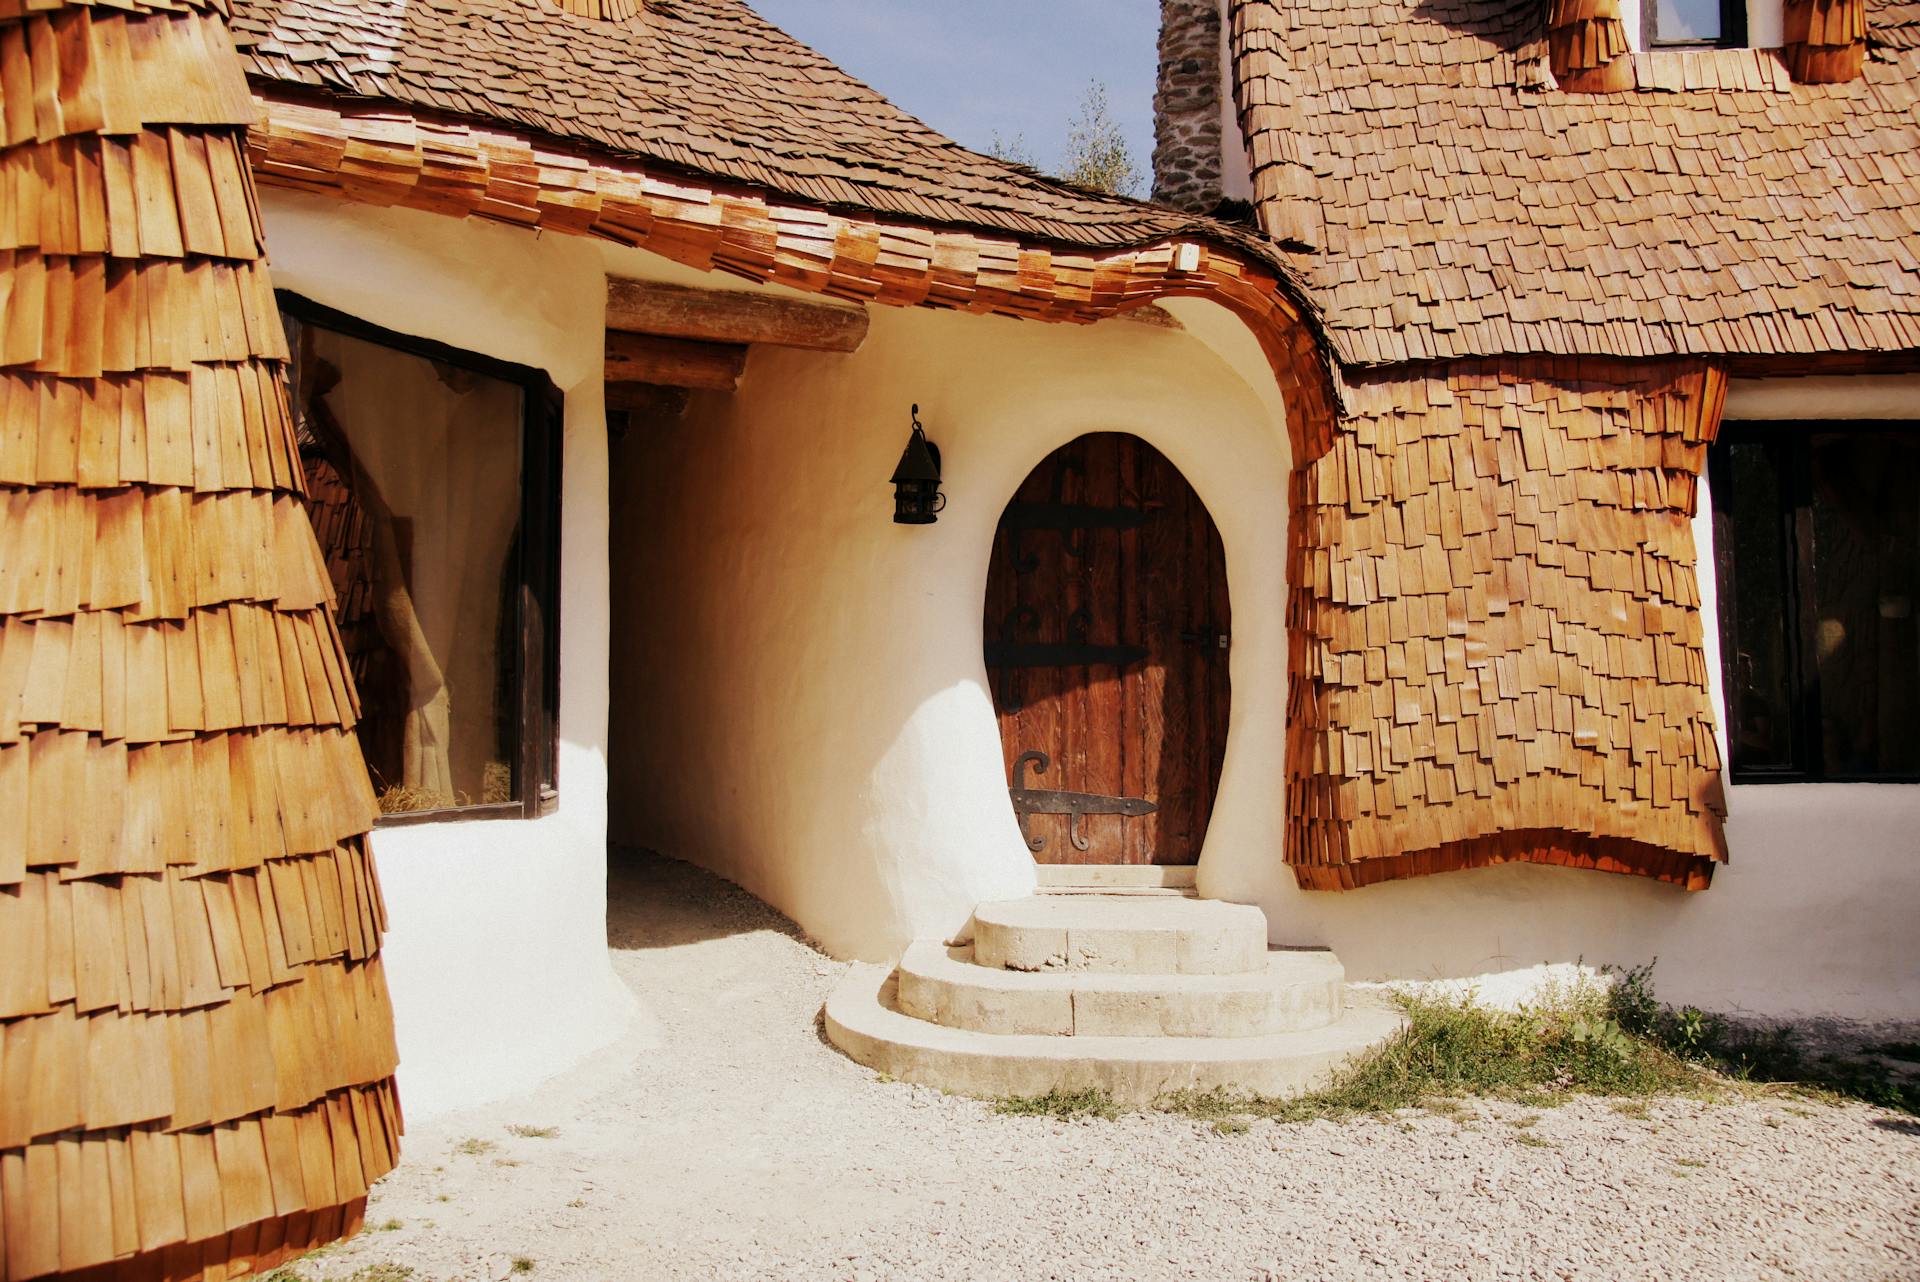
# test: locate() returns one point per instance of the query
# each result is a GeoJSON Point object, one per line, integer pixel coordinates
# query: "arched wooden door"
{"type": "Point", "coordinates": [1106, 643]}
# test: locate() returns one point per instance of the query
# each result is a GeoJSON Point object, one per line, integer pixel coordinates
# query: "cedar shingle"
{"type": "Point", "coordinates": [1780, 214]}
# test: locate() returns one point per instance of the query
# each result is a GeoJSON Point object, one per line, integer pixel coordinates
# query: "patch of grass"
{"type": "Point", "coordinates": [1092, 1102]}
{"type": "Point", "coordinates": [1522, 1123]}
{"type": "Point", "coordinates": [534, 1132]}
{"type": "Point", "coordinates": [1230, 1126]}
{"type": "Point", "coordinates": [1761, 1054]}
{"type": "Point", "coordinates": [380, 1273]}
{"type": "Point", "coordinates": [475, 1147]}
{"type": "Point", "coordinates": [391, 1226]}
{"type": "Point", "coordinates": [1636, 1109]}
{"type": "Point", "coordinates": [1690, 1161]}
{"type": "Point", "coordinates": [1562, 1045]}
{"type": "Point", "coordinates": [1532, 1141]}
{"type": "Point", "coordinates": [521, 1264]}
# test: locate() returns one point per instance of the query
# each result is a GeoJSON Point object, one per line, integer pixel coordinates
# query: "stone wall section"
{"type": "Point", "coordinates": [1186, 107]}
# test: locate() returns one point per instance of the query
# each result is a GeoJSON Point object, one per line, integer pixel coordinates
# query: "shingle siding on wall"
{"type": "Point", "coordinates": [1471, 209]}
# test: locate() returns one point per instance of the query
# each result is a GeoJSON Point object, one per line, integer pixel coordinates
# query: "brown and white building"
{"type": "Point", "coordinates": [1475, 523]}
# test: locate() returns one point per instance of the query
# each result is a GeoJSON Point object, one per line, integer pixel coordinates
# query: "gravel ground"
{"type": "Point", "coordinates": [742, 1145]}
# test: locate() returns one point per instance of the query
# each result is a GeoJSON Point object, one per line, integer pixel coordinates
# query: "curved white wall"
{"type": "Point", "coordinates": [799, 696]}
{"type": "Point", "coordinates": [496, 954]}
{"type": "Point", "coordinates": [798, 699]}
{"type": "Point", "coordinates": [800, 702]}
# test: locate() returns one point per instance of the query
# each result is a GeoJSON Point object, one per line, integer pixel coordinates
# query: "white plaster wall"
{"type": "Point", "coordinates": [800, 704]}
{"type": "Point", "coordinates": [1814, 914]}
{"type": "Point", "coordinates": [799, 697]}
{"type": "Point", "coordinates": [496, 955]}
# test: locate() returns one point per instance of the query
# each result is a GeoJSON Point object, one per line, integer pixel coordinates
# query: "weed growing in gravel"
{"type": "Point", "coordinates": [391, 1226]}
{"type": "Point", "coordinates": [1756, 1053]}
{"type": "Point", "coordinates": [521, 1264]}
{"type": "Point", "coordinates": [1230, 1126]}
{"type": "Point", "coordinates": [1532, 1141]}
{"type": "Point", "coordinates": [475, 1147]}
{"type": "Point", "coordinates": [534, 1132]}
{"type": "Point", "coordinates": [1566, 1043]}
{"type": "Point", "coordinates": [1092, 1102]}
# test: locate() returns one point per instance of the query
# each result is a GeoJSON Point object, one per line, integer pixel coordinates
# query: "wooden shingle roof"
{"type": "Point", "coordinates": [702, 86]}
{"type": "Point", "coordinates": [1449, 202]}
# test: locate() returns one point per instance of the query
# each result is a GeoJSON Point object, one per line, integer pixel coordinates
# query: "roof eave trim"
{"type": "Point", "coordinates": [390, 157]}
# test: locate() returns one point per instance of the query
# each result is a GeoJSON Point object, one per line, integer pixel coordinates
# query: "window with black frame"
{"type": "Point", "coordinates": [1817, 540]}
{"type": "Point", "coordinates": [431, 480]}
{"type": "Point", "coordinates": [1681, 24]}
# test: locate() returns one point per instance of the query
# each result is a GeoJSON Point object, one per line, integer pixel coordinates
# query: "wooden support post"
{"type": "Point", "coordinates": [732, 316]}
{"type": "Point", "coordinates": [674, 362]}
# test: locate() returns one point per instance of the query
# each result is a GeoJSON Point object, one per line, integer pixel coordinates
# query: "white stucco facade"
{"type": "Point", "coordinates": [496, 952]}
{"type": "Point", "coordinates": [777, 682]}
{"type": "Point", "coordinates": [823, 732]}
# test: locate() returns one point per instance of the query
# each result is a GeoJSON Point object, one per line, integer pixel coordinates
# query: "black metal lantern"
{"type": "Point", "coordinates": [916, 482]}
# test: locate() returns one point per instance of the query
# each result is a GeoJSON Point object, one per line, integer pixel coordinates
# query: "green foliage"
{"type": "Point", "coordinates": [1092, 1102]}
{"type": "Point", "coordinates": [1449, 1048]}
{"type": "Point", "coordinates": [1013, 150]}
{"type": "Point", "coordinates": [1909, 1051]}
{"type": "Point", "coordinates": [1753, 1053]}
{"type": "Point", "coordinates": [1097, 154]}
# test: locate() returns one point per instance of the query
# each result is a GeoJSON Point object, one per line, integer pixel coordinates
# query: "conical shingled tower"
{"type": "Point", "coordinates": [196, 1046]}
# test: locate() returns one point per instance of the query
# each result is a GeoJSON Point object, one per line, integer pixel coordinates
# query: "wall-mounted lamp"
{"type": "Point", "coordinates": [916, 482]}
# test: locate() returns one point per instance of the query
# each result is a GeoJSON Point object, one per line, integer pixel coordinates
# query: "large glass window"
{"type": "Point", "coordinates": [1817, 530]}
{"type": "Point", "coordinates": [430, 475]}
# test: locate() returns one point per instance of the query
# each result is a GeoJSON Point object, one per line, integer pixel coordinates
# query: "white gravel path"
{"type": "Point", "coordinates": [742, 1146]}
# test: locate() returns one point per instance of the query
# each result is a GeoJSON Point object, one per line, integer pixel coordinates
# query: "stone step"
{"type": "Point", "coordinates": [1137, 935]}
{"type": "Point", "coordinates": [1297, 990]}
{"type": "Point", "coordinates": [863, 1018]}
{"type": "Point", "coordinates": [1116, 877]}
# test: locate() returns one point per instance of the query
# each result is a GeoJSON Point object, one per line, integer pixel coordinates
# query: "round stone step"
{"type": "Point", "coordinates": [1121, 934]}
{"type": "Point", "coordinates": [864, 1020]}
{"type": "Point", "coordinates": [1295, 991]}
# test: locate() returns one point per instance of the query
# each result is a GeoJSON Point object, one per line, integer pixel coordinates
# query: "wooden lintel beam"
{"type": "Point", "coordinates": [732, 316]}
{"type": "Point", "coordinates": [674, 362]}
{"type": "Point", "coordinates": [647, 400]}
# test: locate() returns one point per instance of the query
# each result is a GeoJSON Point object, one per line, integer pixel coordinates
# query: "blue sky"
{"type": "Point", "coordinates": [970, 67]}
